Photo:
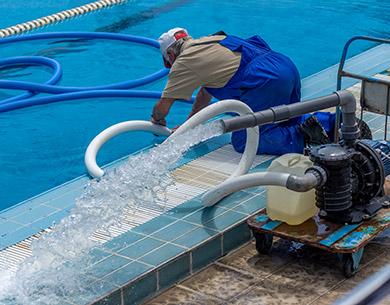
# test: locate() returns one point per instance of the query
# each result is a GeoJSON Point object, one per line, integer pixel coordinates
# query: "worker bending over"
{"type": "Point", "coordinates": [228, 67]}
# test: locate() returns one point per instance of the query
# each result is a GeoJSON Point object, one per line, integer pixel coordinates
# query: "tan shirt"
{"type": "Point", "coordinates": [207, 65]}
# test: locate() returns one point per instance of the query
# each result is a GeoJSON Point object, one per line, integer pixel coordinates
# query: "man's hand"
{"type": "Point", "coordinates": [161, 110]}
{"type": "Point", "coordinates": [177, 127]}
{"type": "Point", "coordinates": [162, 122]}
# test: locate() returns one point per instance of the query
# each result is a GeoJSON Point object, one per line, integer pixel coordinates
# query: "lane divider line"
{"type": "Point", "coordinates": [58, 17]}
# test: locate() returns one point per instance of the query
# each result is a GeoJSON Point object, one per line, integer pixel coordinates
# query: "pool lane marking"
{"type": "Point", "coordinates": [58, 17]}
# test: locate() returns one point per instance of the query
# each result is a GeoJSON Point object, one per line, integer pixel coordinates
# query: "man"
{"type": "Point", "coordinates": [228, 67]}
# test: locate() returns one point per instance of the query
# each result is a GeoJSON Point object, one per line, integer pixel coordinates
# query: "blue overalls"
{"type": "Point", "coordinates": [265, 79]}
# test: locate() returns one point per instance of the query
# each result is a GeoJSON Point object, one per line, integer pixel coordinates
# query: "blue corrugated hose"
{"type": "Point", "coordinates": [62, 93]}
{"type": "Point", "coordinates": [32, 60]}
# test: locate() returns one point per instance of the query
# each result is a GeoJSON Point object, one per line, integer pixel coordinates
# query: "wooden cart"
{"type": "Point", "coordinates": [347, 241]}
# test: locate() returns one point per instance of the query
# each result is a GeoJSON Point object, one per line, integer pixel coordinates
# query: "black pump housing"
{"type": "Point", "coordinates": [355, 177]}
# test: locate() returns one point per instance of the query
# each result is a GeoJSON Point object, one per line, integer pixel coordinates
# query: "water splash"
{"type": "Point", "coordinates": [59, 264]}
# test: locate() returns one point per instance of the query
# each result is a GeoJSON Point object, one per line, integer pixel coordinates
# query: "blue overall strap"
{"type": "Point", "coordinates": [249, 49]}
{"type": "Point", "coordinates": [252, 46]}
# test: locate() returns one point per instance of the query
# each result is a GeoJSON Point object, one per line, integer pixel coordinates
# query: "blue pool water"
{"type": "Point", "coordinates": [42, 147]}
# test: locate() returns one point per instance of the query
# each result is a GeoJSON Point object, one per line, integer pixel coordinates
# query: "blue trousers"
{"type": "Point", "coordinates": [285, 137]}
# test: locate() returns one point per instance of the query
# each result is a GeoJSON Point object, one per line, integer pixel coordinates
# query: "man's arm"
{"type": "Point", "coordinates": [162, 107]}
{"type": "Point", "coordinates": [202, 100]}
{"type": "Point", "coordinates": [161, 110]}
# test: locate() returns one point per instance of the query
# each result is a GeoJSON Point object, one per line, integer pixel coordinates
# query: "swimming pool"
{"type": "Point", "coordinates": [42, 147]}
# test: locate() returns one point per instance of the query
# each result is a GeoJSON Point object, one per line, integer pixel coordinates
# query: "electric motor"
{"type": "Point", "coordinates": [355, 177]}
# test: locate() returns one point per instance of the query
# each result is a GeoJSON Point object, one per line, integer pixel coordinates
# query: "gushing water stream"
{"type": "Point", "coordinates": [58, 266]}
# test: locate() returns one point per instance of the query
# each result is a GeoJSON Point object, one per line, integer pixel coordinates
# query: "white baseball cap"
{"type": "Point", "coordinates": [167, 39]}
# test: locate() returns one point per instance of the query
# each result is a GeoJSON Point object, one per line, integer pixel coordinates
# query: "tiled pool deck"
{"type": "Point", "coordinates": [287, 276]}
{"type": "Point", "coordinates": [151, 254]}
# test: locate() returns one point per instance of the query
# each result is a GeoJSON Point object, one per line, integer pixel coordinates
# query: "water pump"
{"type": "Point", "coordinates": [353, 190]}
{"type": "Point", "coordinates": [348, 176]}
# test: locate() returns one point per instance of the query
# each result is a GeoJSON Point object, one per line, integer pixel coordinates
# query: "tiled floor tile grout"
{"type": "Point", "coordinates": [197, 292]}
{"type": "Point", "coordinates": [340, 283]}
{"type": "Point", "coordinates": [243, 272]}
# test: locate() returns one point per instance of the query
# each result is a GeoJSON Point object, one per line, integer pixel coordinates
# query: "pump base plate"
{"type": "Point", "coordinates": [322, 233]}
{"type": "Point", "coordinates": [347, 241]}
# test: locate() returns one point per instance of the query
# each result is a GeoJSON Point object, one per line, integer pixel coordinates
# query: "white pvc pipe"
{"type": "Point", "coordinates": [93, 148]}
{"type": "Point", "coordinates": [236, 184]}
{"type": "Point", "coordinates": [252, 139]}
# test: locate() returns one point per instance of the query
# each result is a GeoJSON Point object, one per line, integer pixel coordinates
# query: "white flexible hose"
{"type": "Point", "coordinates": [252, 139]}
{"type": "Point", "coordinates": [216, 193]}
{"type": "Point", "coordinates": [236, 184]}
{"type": "Point", "coordinates": [93, 148]}
{"type": "Point", "coordinates": [202, 116]}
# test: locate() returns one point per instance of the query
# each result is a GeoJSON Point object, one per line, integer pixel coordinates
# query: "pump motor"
{"type": "Point", "coordinates": [353, 190]}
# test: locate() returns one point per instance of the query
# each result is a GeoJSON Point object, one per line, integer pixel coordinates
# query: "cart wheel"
{"type": "Point", "coordinates": [348, 266]}
{"type": "Point", "coordinates": [263, 242]}
{"type": "Point", "coordinates": [350, 262]}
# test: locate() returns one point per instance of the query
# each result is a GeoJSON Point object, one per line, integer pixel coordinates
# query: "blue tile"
{"type": "Point", "coordinates": [7, 227]}
{"type": "Point", "coordinates": [122, 241]}
{"type": "Point", "coordinates": [186, 208]}
{"type": "Point", "coordinates": [236, 237]}
{"type": "Point", "coordinates": [107, 266]}
{"type": "Point", "coordinates": [97, 254]}
{"type": "Point", "coordinates": [203, 149]}
{"type": "Point", "coordinates": [127, 273]}
{"type": "Point", "coordinates": [204, 215]}
{"type": "Point", "coordinates": [141, 247]}
{"type": "Point", "coordinates": [188, 157]}
{"type": "Point", "coordinates": [114, 298]}
{"type": "Point", "coordinates": [15, 211]}
{"type": "Point", "coordinates": [378, 135]}
{"type": "Point", "coordinates": [162, 255]}
{"type": "Point", "coordinates": [174, 230]}
{"type": "Point", "coordinates": [65, 200]}
{"type": "Point", "coordinates": [95, 290]}
{"type": "Point", "coordinates": [225, 220]}
{"type": "Point", "coordinates": [368, 116]}
{"type": "Point", "coordinates": [16, 236]}
{"type": "Point", "coordinates": [378, 122]}
{"type": "Point", "coordinates": [34, 214]}
{"type": "Point", "coordinates": [50, 220]}
{"type": "Point", "coordinates": [103, 287]}
{"type": "Point", "coordinates": [252, 206]}
{"type": "Point", "coordinates": [138, 291]}
{"type": "Point", "coordinates": [195, 237]}
{"type": "Point", "coordinates": [234, 199]}
{"type": "Point", "coordinates": [206, 253]}
{"type": "Point", "coordinates": [154, 225]}
{"type": "Point", "coordinates": [71, 185]}
{"type": "Point", "coordinates": [174, 271]}
{"type": "Point", "coordinates": [262, 167]}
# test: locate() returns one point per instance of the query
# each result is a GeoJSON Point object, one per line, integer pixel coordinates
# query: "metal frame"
{"type": "Point", "coordinates": [342, 73]}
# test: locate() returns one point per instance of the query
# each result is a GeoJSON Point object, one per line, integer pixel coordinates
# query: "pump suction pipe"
{"type": "Point", "coordinates": [315, 176]}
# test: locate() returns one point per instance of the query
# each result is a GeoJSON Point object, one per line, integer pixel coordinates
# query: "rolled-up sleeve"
{"type": "Point", "coordinates": [182, 82]}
